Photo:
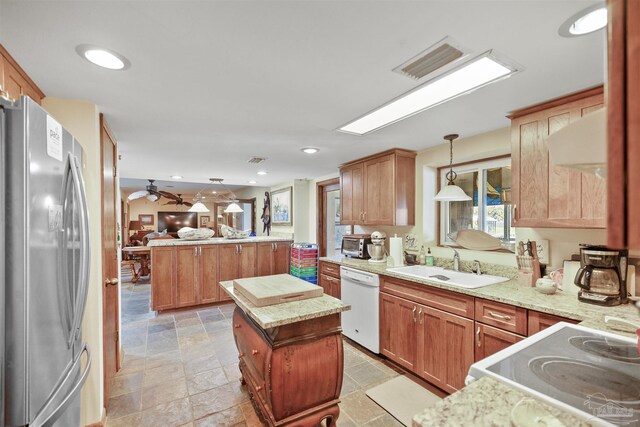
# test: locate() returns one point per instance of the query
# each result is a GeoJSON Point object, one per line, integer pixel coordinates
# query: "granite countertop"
{"type": "Point", "coordinates": [563, 304]}
{"type": "Point", "coordinates": [216, 241]}
{"type": "Point", "coordinates": [289, 312]}
{"type": "Point", "coordinates": [486, 402]}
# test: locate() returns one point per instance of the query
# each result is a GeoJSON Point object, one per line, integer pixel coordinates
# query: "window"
{"type": "Point", "coordinates": [488, 183]}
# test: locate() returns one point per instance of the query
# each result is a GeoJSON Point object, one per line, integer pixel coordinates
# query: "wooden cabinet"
{"type": "Point", "coordinates": [503, 316]}
{"type": "Point", "coordinates": [163, 278]}
{"type": "Point", "coordinates": [14, 82]}
{"type": "Point", "coordinates": [540, 321]}
{"type": "Point", "coordinates": [352, 194]}
{"type": "Point", "coordinates": [187, 275]}
{"type": "Point", "coordinates": [379, 190]}
{"type": "Point", "coordinates": [399, 331]}
{"type": "Point", "coordinates": [208, 274]}
{"type": "Point", "coordinates": [273, 258]}
{"type": "Point", "coordinates": [236, 261]}
{"type": "Point", "coordinates": [490, 340]}
{"type": "Point", "coordinates": [329, 279]}
{"type": "Point", "coordinates": [544, 195]}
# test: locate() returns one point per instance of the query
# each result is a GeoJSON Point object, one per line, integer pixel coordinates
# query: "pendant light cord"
{"type": "Point", "coordinates": [451, 175]}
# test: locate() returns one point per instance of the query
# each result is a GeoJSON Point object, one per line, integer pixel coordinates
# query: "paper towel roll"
{"type": "Point", "coordinates": [395, 250]}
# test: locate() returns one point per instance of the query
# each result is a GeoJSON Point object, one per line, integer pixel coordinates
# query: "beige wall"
{"type": "Point", "coordinates": [302, 225]}
{"type": "Point", "coordinates": [258, 194]}
{"type": "Point", "coordinates": [562, 242]}
{"type": "Point", "coordinates": [82, 120]}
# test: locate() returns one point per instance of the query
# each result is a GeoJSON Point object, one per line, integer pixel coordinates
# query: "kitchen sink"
{"type": "Point", "coordinates": [450, 277]}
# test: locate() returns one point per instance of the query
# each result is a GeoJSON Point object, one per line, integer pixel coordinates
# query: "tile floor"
{"type": "Point", "coordinates": [181, 369]}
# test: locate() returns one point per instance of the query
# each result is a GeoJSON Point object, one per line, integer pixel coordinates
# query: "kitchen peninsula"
{"type": "Point", "coordinates": [285, 348]}
{"type": "Point", "coordinates": [185, 273]}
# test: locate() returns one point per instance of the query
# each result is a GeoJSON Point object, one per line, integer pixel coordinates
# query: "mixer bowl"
{"type": "Point", "coordinates": [376, 252]}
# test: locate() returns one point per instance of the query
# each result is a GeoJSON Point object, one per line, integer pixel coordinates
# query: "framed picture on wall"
{"type": "Point", "coordinates": [145, 219]}
{"type": "Point", "coordinates": [204, 220]}
{"type": "Point", "coordinates": [282, 206]}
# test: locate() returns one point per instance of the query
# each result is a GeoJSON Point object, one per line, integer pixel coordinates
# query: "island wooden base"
{"type": "Point", "coordinates": [293, 373]}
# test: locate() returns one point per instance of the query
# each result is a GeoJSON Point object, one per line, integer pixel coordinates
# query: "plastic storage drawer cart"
{"type": "Point", "coordinates": [304, 261]}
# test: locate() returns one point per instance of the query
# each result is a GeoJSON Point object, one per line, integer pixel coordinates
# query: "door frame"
{"type": "Point", "coordinates": [322, 188]}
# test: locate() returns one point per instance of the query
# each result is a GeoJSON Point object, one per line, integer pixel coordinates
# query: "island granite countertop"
{"type": "Point", "coordinates": [272, 316]}
{"type": "Point", "coordinates": [216, 241]}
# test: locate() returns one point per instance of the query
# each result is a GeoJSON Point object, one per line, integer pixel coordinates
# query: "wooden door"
{"type": "Point", "coordinates": [247, 260]}
{"type": "Point", "coordinates": [458, 334]}
{"type": "Point", "coordinates": [490, 340]}
{"type": "Point", "coordinates": [351, 194]}
{"type": "Point", "coordinates": [399, 330]}
{"type": "Point", "coordinates": [379, 204]}
{"type": "Point", "coordinates": [110, 266]}
{"type": "Point", "coordinates": [187, 259]}
{"type": "Point", "coordinates": [163, 278]}
{"type": "Point", "coordinates": [265, 261]}
{"type": "Point", "coordinates": [281, 257]}
{"type": "Point", "coordinates": [228, 262]}
{"type": "Point", "coordinates": [208, 270]}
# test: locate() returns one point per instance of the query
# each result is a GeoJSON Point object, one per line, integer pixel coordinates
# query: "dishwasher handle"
{"type": "Point", "coordinates": [350, 280]}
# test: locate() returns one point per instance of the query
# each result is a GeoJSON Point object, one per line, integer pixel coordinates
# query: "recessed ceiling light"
{"type": "Point", "coordinates": [252, 181]}
{"type": "Point", "coordinates": [473, 74]}
{"type": "Point", "coordinates": [176, 176]}
{"type": "Point", "coordinates": [214, 192]}
{"type": "Point", "coordinates": [262, 172]}
{"type": "Point", "coordinates": [584, 22]}
{"type": "Point", "coordinates": [102, 57]}
{"type": "Point", "coordinates": [310, 150]}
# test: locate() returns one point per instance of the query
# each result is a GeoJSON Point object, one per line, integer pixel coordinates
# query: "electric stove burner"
{"type": "Point", "coordinates": [610, 349]}
{"type": "Point", "coordinates": [585, 379]}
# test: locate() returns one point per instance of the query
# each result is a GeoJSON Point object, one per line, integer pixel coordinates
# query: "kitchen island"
{"type": "Point", "coordinates": [291, 358]}
{"type": "Point", "coordinates": [186, 273]}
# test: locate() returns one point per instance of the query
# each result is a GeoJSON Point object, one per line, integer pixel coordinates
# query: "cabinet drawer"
{"type": "Point", "coordinates": [252, 349]}
{"type": "Point", "coordinates": [539, 321]}
{"type": "Point", "coordinates": [504, 316]}
{"type": "Point", "coordinates": [330, 269]}
{"type": "Point", "coordinates": [450, 302]}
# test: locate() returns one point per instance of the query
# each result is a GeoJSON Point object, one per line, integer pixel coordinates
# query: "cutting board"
{"type": "Point", "coordinates": [276, 289]}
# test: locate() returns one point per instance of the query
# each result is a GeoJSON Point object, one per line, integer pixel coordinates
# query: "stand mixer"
{"type": "Point", "coordinates": [376, 248]}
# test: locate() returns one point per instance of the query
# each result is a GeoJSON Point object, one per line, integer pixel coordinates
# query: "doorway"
{"type": "Point", "coordinates": [330, 231]}
{"type": "Point", "coordinates": [245, 220]}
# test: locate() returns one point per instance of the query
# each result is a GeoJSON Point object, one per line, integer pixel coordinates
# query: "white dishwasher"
{"type": "Point", "coordinates": [361, 291]}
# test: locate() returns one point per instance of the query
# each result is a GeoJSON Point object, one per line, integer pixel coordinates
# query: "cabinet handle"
{"type": "Point", "coordinates": [254, 352]}
{"type": "Point", "coordinates": [478, 341]}
{"type": "Point", "coordinates": [258, 388]}
{"type": "Point", "coordinates": [237, 250]}
{"type": "Point", "coordinates": [413, 313]}
{"type": "Point", "coordinates": [420, 315]}
{"type": "Point", "coordinates": [240, 355]}
{"type": "Point", "coordinates": [237, 326]}
{"type": "Point", "coordinates": [240, 246]}
{"type": "Point", "coordinates": [514, 212]}
{"type": "Point", "coordinates": [195, 251]}
{"type": "Point", "coordinates": [498, 316]}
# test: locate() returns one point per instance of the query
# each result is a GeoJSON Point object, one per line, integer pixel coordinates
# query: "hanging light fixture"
{"type": "Point", "coordinates": [233, 207]}
{"type": "Point", "coordinates": [198, 206]}
{"type": "Point", "coordinates": [451, 192]}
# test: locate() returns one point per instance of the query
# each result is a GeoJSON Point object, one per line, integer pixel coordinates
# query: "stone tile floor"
{"type": "Point", "coordinates": [181, 369]}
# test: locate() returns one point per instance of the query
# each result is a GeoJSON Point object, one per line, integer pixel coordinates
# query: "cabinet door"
{"type": "Point", "coordinates": [281, 257]}
{"type": "Point", "coordinates": [490, 340]}
{"type": "Point", "coordinates": [325, 283]}
{"type": "Point", "coordinates": [187, 275]}
{"type": "Point", "coordinates": [399, 330]}
{"type": "Point", "coordinates": [208, 268]}
{"type": "Point", "coordinates": [351, 194]}
{"type": "Point", "coordinates": [379, 201]}
{"type": "Point", "coordinates": [247, 261]}
{"type": "Point", "coordinates": [227, 267]}
{"type": "Point", "coordinates": [335, 288]}
{"type": "Point", "coordinates": [459, 336]}
{"type": "Point", "coordinates": [265, 259]}
{"type": "Point", "coordinates": [163, 278]}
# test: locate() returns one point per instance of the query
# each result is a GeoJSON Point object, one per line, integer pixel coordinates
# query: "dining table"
{"type": "Point", "coordinates": [143, 253]}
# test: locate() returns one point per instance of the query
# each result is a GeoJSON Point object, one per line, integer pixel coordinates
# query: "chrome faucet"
{"type": "Point", "coordinates": [456, 260]}
{"type": "Point", "coordinates": [476, 267]}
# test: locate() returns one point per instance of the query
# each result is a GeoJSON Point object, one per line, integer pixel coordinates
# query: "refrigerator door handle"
{"type": "Point", "coordinates": [46, 418]}
{"type": "Point", "coordinates": [85, 251]}
{"type": "Point", "coordinates": [63, 274]}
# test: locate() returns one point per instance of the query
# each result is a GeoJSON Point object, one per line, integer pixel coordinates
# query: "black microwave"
{"type": "Point", "coordinates": [355, 245]}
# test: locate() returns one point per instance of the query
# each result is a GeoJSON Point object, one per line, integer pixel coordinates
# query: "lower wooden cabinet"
{"type": "Point", "coordinates": [236, 261]}
{"type": "Point", "coordinates": [436, 345]}
{"type": "Point", "coordinates": [330, 285]}
{"type": "Point", "coordinates": [187, 266]}
{"type": "Point", "coordinates": [208, 272]}
{"type": "Point", "coordinates": [490, 340]}
{"type": "Point", "coordinates": [539, 321]}
{"type": "Point", "coordinates": [163, 278]}
{"type": "Point", "coordinates": [273, 258]}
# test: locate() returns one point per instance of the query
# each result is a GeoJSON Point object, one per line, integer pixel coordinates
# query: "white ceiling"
{"type": "Point", "coordinates": [213, 83]}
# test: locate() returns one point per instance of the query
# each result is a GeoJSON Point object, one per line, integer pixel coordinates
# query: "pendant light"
{"type": "Point", "coordinates": [233, 208]}
{"type": "Point", "coordinates": [451, 192]}
{"type": "Point", "coordinates": [198, 206]}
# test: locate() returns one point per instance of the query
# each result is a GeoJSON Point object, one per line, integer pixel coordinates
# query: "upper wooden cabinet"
{"type": "Point", "coordinates": [379, 190]}
{"type": "Point", "coordinates": [14, 82]}
{"type": "Point", "coordinates": [544, 195]}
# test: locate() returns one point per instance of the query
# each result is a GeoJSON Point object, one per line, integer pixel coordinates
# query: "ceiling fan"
{"type": "Point", "coordinates": [176, 199]}
{"type": "Point", "coordinates": [151, 193]}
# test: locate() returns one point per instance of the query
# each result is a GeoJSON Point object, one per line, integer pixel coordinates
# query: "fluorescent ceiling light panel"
{"type": "Point", "coordinates": [474, 74]}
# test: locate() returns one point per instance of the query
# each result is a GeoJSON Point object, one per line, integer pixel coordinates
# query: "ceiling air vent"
{"type": "Point", "coordinates": [434, 58]}
{"type": "Point", "coordinates": [256, 160]}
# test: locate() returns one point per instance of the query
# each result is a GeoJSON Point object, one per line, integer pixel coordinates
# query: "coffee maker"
{"type": "Point", "coordinates": [602, 276]}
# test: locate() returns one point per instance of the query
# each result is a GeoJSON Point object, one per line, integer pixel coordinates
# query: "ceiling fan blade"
{"type": "Point", "coordinates": [171, 203]}
{"type": "Point", "coordinates": [138, 194]}
{"type": "Point", "coordinates": [187, 204]}
{"type": "Point", "coordinates": [168, 195]}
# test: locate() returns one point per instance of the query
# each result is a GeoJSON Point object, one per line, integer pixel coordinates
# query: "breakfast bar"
{"type": "Point", "coordinates": [291, 356]}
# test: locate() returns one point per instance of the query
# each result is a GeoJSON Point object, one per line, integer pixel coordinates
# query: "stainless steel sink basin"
{"type": "Point", "coordinates": [450, 277]}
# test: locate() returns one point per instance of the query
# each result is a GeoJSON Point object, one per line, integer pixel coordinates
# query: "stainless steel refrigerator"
{"type": "Point", "coordinates": [46, 257]}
